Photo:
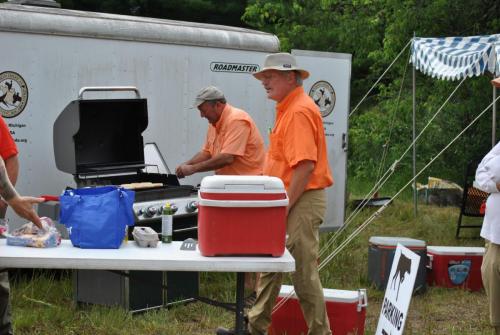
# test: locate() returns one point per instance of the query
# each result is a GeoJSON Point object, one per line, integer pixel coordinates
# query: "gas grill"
{"type": "Point", "coordinates": [99, 142]}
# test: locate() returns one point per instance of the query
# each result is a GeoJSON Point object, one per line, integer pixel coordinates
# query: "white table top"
{"type": "Point", "coordinates": [130, 257]}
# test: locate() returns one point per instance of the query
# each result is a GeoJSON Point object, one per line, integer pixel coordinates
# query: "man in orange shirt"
{"type": "Point", "coordinates": [233, 146]}
{"type": "Point", "coordinates": [297, 154]}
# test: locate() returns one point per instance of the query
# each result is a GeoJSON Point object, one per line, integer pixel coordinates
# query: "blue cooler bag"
{"type": "Point", "coordinates": [97, 218]}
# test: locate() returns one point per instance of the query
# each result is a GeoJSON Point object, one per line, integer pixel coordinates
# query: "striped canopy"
{"type": "Point", "coordinates": [452, 58]}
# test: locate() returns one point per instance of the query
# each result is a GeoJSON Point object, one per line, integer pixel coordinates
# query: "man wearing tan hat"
{"type": "Point", "coordinates": [233, 144]}
{"type": "Point", "coordinates": [297, 154]}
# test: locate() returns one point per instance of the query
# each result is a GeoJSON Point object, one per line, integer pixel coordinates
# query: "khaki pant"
{"type": "Point", "coordinates": [303, 243]}
{"type": "Point", "coordinates": [490, 272]}
{"type": "Point", "coordinates": [5, 321]}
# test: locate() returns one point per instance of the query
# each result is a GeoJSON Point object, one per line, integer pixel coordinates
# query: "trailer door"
{"type": "Point", "coordinates": [329, 86]}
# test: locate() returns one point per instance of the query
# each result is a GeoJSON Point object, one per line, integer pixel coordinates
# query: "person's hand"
{"type": "Point", "coordinates": [178, 171]}
{"type": "Point", "coordinates": [184, 170]}
{"type": "Point", "coordinates": [23, 206]}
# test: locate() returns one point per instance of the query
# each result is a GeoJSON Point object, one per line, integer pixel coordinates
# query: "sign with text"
{"type": "Point", "coordinates": [398, 292]}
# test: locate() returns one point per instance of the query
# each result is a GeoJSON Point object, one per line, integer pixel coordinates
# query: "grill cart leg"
{"type": "Point", "coordinates": [240, 303]}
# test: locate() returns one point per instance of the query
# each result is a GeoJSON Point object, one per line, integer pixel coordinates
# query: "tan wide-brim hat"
{"type": "Point", "coordinates": [282, 61]}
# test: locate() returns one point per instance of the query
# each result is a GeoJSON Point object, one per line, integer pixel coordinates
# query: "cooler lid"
{"type": "Point", "coordinates": [447, 250]}
{"type": "Point", "coordinates": [333, 295]}
{"type": "Point", "coordinates": [393, 241]}
{"type": "Point", "coordinates": [241, 184]}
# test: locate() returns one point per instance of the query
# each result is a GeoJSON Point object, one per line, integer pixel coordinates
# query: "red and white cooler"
{"type": "Point", "coordinates": [455, 267]}
{"type": "Point", "coordinates": [346, 312]}
{"type": "Point", "coordinates": [242, 215]}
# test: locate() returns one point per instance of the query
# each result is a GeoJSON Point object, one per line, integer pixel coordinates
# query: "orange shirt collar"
{"type": "Point", "coordinates": [283, 104]}
{"type": "Point", "coordinates": [223, 116]}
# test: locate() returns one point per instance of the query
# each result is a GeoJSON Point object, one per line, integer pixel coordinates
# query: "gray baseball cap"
{"type": "Point", "coordinates": [208, 93]}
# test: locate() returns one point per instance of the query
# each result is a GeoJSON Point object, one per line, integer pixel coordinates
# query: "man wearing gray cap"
{"type": "Point", "coordinates": [297, 154]}
{"type": "Point", "coordinates": [233, 144]}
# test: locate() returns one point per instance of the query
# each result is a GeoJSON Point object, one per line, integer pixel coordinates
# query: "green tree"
{"type": "Point", "coordinates": [374, 32]}
{"type": "Point", "coordinates": [207, 11]}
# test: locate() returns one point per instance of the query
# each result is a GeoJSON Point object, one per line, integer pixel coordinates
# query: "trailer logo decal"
{"type": "Point", "coordinates": [233, 67]}
{"type": "Point", "coordinates": [13, 94]}
{"type": "Point", "coordinates": [323, 94]}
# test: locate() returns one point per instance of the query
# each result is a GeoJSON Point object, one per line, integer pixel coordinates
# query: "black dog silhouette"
{"type": "Point", "coordinates": [17, 98]}
{"type": "Point", "coordinates": [404, 266]}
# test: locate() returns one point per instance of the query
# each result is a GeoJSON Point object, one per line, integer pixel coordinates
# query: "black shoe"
{"type": "Point", "coordinates": [225, 331]}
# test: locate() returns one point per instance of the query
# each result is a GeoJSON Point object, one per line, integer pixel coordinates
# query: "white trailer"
{"type": "Point", "coordinates": [48, 54]}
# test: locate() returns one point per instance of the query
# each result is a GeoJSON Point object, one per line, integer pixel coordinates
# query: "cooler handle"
{"type": "Point", "coordinates": [362, 299]}
{"type": "Point", "coordinates": [429, 264]}
{"type": "Point", "coordinates": [255, 187]}
{"type": "Point", "coordinates": [242, 203]}
{"type": "Point", "coordinates": [108, 89]}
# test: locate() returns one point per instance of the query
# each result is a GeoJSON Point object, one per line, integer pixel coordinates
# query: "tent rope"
{"type": "Point", "coordinates": [359, 208]}
{"type": "Point", "coordinates": [378, 212]}
{"type": "Point", "coordinates": [393, 119]}
{"type": "Point", "coordinates": [380, 78]}
{"type": "Point", "coordinates": [378, 185]}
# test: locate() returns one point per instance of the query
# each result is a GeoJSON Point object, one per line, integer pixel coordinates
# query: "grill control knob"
{"type": "Point", "coordinates": [139, 212]}
{"type": "Point", "coordinates": [173, 209]}
{"type": "Point", "coordinates": [150, 211]}
{"type": "Point", "coordinates": [192, 206]}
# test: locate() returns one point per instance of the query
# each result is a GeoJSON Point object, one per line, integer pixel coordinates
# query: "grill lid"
{"type": "Point", "coordinates": [101, 135]}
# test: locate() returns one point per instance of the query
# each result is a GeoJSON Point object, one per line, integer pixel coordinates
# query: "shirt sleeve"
{"type": "Point", "coordinates": [299, 142]}
{"type": "Point", "coordinates": [208, 145]}
{"type": "Point", "coordinates": [488, 171]}
{"type": "Point", "coordinates": [8, 147]}
{"type": "Point", "coordinates": [236, 138]}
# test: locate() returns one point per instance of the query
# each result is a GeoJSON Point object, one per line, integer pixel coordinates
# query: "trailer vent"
{"type": "Point", "coordinates": [40, 3]}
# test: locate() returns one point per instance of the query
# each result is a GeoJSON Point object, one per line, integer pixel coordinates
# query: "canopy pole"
{"type": "Point", "coordinates": [494, 118]}
{"type": "Point", "coordinates": [415, 195]}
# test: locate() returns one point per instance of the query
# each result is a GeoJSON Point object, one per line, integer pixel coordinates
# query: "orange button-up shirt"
{"type": "Point", "coordinates": [298, 135]}
{"type": "Point", "coordinates": [235, 133]}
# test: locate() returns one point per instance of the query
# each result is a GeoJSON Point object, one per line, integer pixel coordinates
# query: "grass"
{"type": "Point", "coordinates": [43, 305]}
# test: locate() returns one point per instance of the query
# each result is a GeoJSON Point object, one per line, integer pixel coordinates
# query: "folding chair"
{"type": "Point", "coordinates": [472, 199]}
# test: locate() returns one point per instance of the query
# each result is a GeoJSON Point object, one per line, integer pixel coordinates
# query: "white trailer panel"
{"type": "Point", "coordinates": [56, 52]}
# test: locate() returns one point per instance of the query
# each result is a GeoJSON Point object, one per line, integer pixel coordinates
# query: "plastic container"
{"type": "Point", "coordinates": [346, 312]}
{"type": "Point", "coordinates": [455, 267]}
{"type": "Point", "coordinates": [145, 237]}
{"type": "Point", "coordinates": [242, 215]}
{"type": "Point", "coordinates": [29, 235]}
{"type": "Point", "coordinates": [381, 251]}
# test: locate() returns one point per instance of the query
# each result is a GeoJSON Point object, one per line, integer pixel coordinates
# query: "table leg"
{"type": "Point", "coordinates": [240, 301]}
